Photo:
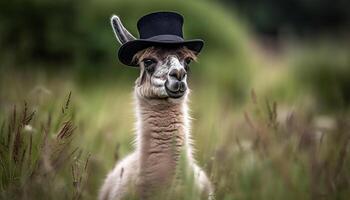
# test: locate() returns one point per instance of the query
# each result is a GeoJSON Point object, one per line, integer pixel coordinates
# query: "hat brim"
{"type": "Point", "coordinates": [129, 49]}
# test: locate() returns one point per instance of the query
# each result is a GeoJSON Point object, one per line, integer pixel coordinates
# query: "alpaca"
{"type": "Point", "coordinates": [162, 127]}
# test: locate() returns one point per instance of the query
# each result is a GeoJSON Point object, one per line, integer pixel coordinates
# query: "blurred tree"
{"type": "Point", "coordinates": [302, 17]}
{"type": "Point", "coordinates": [77, 35]}
{"type": "Point", "coordinates": [39, 30]}
{"type": "Point", "coordinates": [324, 72]}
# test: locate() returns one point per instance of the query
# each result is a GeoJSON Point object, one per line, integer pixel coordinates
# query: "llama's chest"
{"type": "Point", "coordinates": [159, 172]}
{"type": "Point", "coordinates": [160, 156]}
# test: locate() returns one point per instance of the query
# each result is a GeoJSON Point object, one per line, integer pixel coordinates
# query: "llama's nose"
{"type": "Point", "coordinates": [178, 74]}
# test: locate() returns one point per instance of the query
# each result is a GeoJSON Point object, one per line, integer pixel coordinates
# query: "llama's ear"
{"type": "Point", "coordinates": [120, 31]}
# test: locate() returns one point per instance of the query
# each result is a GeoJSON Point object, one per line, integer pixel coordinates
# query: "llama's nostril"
{"type": "Point", "coordinates": [178, 74]}
{"type": "Point", "coordinates": [182, 86]}
{"type": "Point", "coordinates": [182, 74]}
{"type": "Point", "coordinates": [173, 73]}
{"type": "Point", "coordinates": [176, 86]}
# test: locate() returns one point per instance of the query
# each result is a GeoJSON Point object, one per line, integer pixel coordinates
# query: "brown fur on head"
{"type": "Point", "coordinates": [161, 53]}
{"type": "Point", "coordinates": [163, 72]}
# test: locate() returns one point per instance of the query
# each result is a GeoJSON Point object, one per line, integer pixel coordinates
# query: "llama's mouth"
{"type": "Point", "coordinates": [175, 89]}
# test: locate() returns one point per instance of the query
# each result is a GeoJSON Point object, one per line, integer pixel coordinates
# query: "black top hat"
{"type": "Point", "coordinates": [158, 29]}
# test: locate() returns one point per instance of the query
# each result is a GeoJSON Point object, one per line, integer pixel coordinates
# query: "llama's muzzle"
{"type": "Point", "coordinates": [175, 85]}
{"type": "Point", "coordinates": [175, 89]}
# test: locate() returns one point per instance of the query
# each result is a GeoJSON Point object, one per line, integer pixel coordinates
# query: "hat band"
{"type": "Point", "coordinates": [166, 38]}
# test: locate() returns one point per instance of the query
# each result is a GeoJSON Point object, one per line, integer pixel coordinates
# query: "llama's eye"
{"type": "Point", "coordinates": [187, 63]}
{"type": "Point", "coordinates": [149, 65]}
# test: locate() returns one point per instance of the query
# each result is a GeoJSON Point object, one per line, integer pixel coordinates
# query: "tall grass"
{"type": "Point", "coordinates": [262, 152]}
{"type": "Point", "coordinates": [59, 146]}
{"type": "Point", "coordinates": [38, 159]}
{"type": "Point", "coordinates": [291, 158]}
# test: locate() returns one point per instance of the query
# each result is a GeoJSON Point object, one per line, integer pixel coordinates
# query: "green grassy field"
{"type": "Point", "coordinates": [266, 125]}
{"type": "Point", "coordinates": [258, 150]}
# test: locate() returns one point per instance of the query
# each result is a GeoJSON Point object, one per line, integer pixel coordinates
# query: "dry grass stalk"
{"type": "Point", "coordinates": [28, 171]}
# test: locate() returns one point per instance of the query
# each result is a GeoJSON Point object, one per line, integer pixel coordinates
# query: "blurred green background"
{"type": "Point", "coordinates": [270, 95]}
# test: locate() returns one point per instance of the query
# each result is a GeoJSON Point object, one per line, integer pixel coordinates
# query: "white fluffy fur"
{"type": "Point", "coordinates": [126, 177]}
{"type": "Point", "coordinates": [162, 134]}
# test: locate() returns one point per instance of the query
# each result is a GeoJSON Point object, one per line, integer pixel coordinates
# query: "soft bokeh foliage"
{"type": "Point", "coordinates": [323, 70]}
{"type": "Point", "coordinates": [271, 118]}
{"type": "Point", "coordinates": [77, 35]}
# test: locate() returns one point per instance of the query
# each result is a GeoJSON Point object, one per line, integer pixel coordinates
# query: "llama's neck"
{"type": "Point", "coordinates": [162, 134]}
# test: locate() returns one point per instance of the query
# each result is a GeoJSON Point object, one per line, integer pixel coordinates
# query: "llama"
{"type": "Point", "coordinates": [162, 127]}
